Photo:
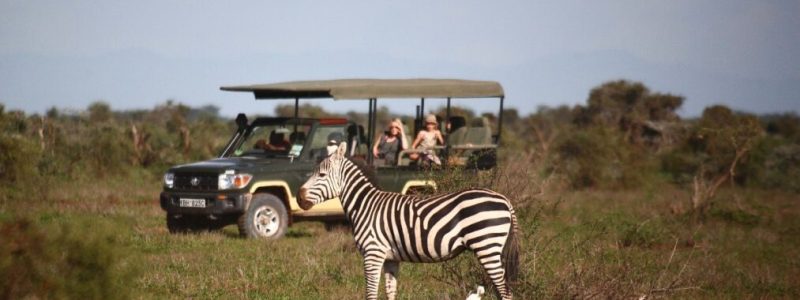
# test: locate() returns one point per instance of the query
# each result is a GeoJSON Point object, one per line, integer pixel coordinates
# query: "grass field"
{"type": "Point", "coordinates": [106, 238]}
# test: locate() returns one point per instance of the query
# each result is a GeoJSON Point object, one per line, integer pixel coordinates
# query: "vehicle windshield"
{"type": "Point", "coordinates": [273, 141]}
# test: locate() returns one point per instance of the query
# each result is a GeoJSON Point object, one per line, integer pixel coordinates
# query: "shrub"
{"type": "Point", "coordinates": [18, 159]}
{"type": "Point", "coordinates": [599, 157]}
{"type": "Point", "coordinates": [108, 150]}
{"type": "Point", "coordinates": [61, 263]}
{"type": "Point", "coordinates": [99, 112]}
{"type": "Point", "coordinates": [774, 163]}
{"type": "Point", "coordinates": [19, 154]}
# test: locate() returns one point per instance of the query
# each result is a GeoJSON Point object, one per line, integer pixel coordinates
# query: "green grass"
{"type": "Point", "coordinates": [590, 244]}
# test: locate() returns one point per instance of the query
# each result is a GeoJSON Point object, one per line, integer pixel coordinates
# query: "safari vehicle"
{"type": "Point", "coordinates": [254, 180]}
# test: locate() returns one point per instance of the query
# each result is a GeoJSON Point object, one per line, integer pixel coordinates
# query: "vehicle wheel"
{"type": "Point", "coordinates": [265, 218]}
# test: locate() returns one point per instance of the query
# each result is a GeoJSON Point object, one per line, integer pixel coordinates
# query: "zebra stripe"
{"type": "Point", "coordinates": [390, 228]}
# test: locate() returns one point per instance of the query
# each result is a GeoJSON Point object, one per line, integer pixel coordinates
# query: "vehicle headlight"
{"type": "Point", "coordinates": [233, 181]}
{"type": "Point", "coordinates": [169, 180]}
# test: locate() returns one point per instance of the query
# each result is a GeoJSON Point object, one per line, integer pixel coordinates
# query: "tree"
{"type": "Point", "coordinates": [629, 107]}
{"type": "Point", "coordinates": [304, 111]}
{"type": "Point", "coordinates": [19, 154]}
{"type": "Point", "coordinates": [786, 125]}
{"type": "Point", "coordinates": [722, 139]}
{"type": "Point", "coordinates": [99, 111]}
{"type": "Point", "coordinates": [545, 126]}
{"type": "Point", "coordinates": [454, 111]}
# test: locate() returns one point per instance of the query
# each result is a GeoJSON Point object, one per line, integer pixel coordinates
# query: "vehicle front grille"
{"type": "Point", "coordinates": [196, 181]}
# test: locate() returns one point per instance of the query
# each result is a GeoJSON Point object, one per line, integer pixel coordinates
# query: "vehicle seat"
{"type": "Point", "coordinates": [477, 136]}
{"type": "Point", "coordinates": [357, 141]}
{"type": "Point", "coordinates": [479, 122]}
{"type": "Point", "coordinates": [478, 132]}
{"type": "Point", "coordinates": [458, 131]}
{"type": "Point", "coordinates": [353, 140]}
{"type": "Point", "coordinates": [409, 135]}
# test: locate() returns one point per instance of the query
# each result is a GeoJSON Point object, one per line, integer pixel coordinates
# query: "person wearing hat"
{"type": "Point", "coordinates": [427, 139]}
{"type": "Point", "coordinates": [334, 139]}
{"type": "Point", "coordinates": [391, 143]}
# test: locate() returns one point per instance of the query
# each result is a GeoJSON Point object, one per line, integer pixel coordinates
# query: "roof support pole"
{"type": "Point", "coordinates": [372, 116]}
{"type": "Point", "coordinates": [421, 116]}
{"type": "Point", "coordinates": [296, 112]}
{"type": "Point", "coordinates": [447, 135]}
{"type": "Point", "coordinates": [418, 116]}
{"type": "Point", "coordinates": [369, 131]}
{"type": "Point", "coordinates": [296, 107]}
{"type": "Point", "coordinates": [500, 121]}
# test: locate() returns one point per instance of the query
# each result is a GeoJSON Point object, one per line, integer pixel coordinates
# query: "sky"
{"type": "Point", "coordinates": [139, 54]}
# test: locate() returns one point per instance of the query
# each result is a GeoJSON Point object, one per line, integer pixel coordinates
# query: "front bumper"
{"type": "Point", "coordinates": [215, 203]}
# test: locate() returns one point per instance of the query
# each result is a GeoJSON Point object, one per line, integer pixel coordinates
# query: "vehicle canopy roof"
{"type": "Point", "coordinates": [340, 89]}
{"type": "Point", "coordinates": [298, 121]}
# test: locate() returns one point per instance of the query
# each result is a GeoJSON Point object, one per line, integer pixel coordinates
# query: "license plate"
{"type": "Point", "coordinates": [186, 202]}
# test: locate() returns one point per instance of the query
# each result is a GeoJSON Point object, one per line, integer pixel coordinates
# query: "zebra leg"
{"type": "Point", "coordinates": [493, 266]}
{"type": "Point", "coordinates": [373, 263]}
{"type": "Point", "coordinates": [390, 270]}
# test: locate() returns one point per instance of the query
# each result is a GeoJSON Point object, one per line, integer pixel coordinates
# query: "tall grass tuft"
{"type": "Point", "coordinates": [62, 261]}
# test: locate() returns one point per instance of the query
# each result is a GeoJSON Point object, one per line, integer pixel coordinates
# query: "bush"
{"type": "Point", "coordinates": [61, 263]}
{"type": "Point", "coordinates": [19, 157]}
{"type": "Point", "coordinates": [19, 154]}
{"type": "Point", "coordinates": [681, 166]}
{"type": "Point", "coordinates": [774, 163]}
{"type": "Point", "coordinates": [599, 157]}
{"type": "Point", "coordinates": [107, 150]}
{"type": "Point", "coordinates": [720, 140]}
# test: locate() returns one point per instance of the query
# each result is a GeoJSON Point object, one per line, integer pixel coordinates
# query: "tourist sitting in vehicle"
{"type": "Point", "coordinates": [334, 139]}
{"type": "Point", "coordinates": [390, 143]}
{"type": "Point", "coordinates": [277, 142]}
{"type": "Point", "coordinates": [455, 123]}
{"type": "Point", "coordinates": [426, 140]}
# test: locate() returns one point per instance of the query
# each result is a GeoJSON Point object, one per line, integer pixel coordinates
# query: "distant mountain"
{"type": "Point", "coordinates": [140, 79]}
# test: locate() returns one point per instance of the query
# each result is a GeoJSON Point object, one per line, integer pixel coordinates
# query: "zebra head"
{"type": "Point", "coordinates": [325, 183]}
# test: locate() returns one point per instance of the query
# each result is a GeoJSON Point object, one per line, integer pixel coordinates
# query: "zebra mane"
{"type": "Point", "coordinates": [368, 171]}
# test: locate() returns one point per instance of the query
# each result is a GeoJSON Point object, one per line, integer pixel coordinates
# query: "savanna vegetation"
{"type": "Point", "coordinates": [617, 198]}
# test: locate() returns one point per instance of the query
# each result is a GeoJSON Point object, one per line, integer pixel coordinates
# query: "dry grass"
{"type": "Point", "coordinates": [588, 244]}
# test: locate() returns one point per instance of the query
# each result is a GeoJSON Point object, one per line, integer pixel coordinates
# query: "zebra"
{"type": "Point", "coordinates": [390, 228]}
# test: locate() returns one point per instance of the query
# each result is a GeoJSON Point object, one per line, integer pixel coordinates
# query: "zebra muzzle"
{"type": "Point", "coordinates": [301, 199]}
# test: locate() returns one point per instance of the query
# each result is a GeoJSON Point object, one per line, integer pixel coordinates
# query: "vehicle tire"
{"type": "Point", "coordinates": [265, 218]}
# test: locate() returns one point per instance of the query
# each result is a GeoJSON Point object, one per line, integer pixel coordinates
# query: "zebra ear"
{"type": "Point", "coordinates": [341, 150]}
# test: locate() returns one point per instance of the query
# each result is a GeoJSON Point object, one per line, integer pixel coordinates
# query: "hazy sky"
{"type": "Point", "coordinates": [138, 54]}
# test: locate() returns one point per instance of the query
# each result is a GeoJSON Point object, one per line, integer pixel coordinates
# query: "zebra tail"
{"type": "Point", "coordinates": [511, 251]}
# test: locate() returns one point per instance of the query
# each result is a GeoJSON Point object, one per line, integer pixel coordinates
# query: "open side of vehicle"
{"type": "Point", "coordinates": [254, 180]}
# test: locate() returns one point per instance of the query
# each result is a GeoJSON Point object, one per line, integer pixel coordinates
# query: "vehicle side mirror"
{"type": "Point", "coordinates": [241, 121]}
